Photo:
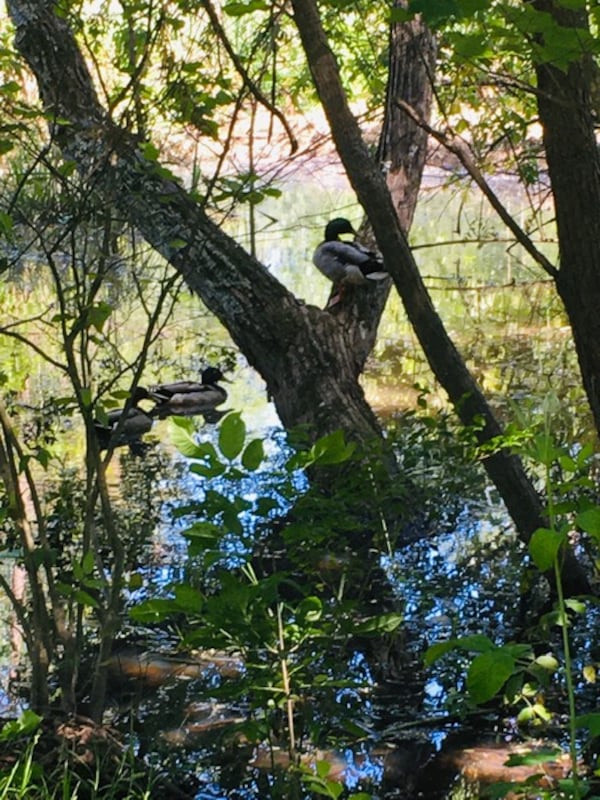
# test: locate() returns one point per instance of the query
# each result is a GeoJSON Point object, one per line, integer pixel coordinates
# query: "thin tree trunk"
{"type": "Point", "coordinates": [505, 470]}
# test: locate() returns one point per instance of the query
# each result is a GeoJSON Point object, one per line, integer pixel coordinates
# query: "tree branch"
{"type": "Point", "coordinates": [243, 73]}
{"type": "Point", "coordinates": [460, 149]}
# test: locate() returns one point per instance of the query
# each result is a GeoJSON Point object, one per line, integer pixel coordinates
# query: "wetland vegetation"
{"type": "Point", "coordinates": [311, 592]}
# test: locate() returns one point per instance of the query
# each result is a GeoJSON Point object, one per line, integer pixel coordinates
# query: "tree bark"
{"type": "Point", "coordinates": [401, 153]}
{"type": "Point", "coordinates": [566, 108]}
{"type": "Point", "coordinates": [402, 150]}
{"type": "Point", "coordinates": [505, 470]}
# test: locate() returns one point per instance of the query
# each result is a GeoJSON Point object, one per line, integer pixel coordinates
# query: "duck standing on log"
{"type": "Point", "coordinates": [346, 263]}
{"type": "Point", "coordinates": [189, 397]}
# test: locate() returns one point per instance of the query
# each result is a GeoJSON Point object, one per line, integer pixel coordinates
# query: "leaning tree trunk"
{"type": "Point", "coordinates": [566, 108]}
{"type": "Point", "coordinates": [505, 470]}
{"type": "Point", "coordinates": [301, 352]}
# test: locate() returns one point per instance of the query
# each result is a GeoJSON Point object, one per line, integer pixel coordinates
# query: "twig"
{"type": "Point", "coordinates": [243, 73]}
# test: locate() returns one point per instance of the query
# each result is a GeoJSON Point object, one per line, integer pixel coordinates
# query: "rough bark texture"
{"type": "Point", "coordinates": [566, 107]}
{"type": "Point", "coordinates": [506, 471]}
{"type": "Point", "coordinates": [403, 144]}
{"type": "Point", "coordinates": [401, 154]}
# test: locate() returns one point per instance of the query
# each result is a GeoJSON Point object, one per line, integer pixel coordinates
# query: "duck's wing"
{"type": "Point", "coordinates": [209, 397]}
{"type": "Point", "coordinates": [337, 260]}
{"type": "Point", "coordinates": [368, 261]}
{"type": "Point", "coordinates": [334, 259]}
{"type": "Point", "coordinates": [137, 422]}
{"type": "Point", "coordinates": [164, 391]}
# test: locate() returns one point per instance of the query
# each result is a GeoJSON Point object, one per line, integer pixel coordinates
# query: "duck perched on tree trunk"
{"type": "Point", "coordinates": [189, 396]}
{"type": "Point", "coordinates": [346, 263]}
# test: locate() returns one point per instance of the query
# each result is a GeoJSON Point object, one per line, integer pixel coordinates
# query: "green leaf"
{"type": "Point", "coordinates": [575, 605]}
{"type": "Point", "coordinates": [6, 221]}
{"type": "Point", "coordinates": [149, 151]}
{"type": "Point", "coordinates": [136, 581]}
{"type": "Point", "coordinates": [435, 11]}
{"type": "Point", "coordinates": [488, 673]}
{"type": "Point", "coordinates": [400, 14]}
{"type": "Point", "coordinates": [533, 757]}
{"type": "Point", "coordinates": [547, 662]}
{"type": "Point", "coordinates": [187, 599]}
{"type": "Point", "coordinates": [97, 314]}
{"type": "Point", "coordinates": [544, 547]}
{"type": "Point", "coordinates": [203, 536]}
{"type": "Point", "coordinates": [238, 9]}
{"type": "Point", "coordinates": [232, 521]}
{"type": "Point", "coordinates": [253, 455]}
{"type": "Point", "coordinates": [27, 723]}
{"type": "Point", "coordinates": [85, 599]}
{"type": "Point", "coordinates": [152, 610]}
{"type": "Point", "coordinates": [331, 449]}
{"type": "Point", "coordinates": [323, 768]}
{"type": "Point", "coordinates": [591, 722]}
{"type": "Point", "coordinates": [589, 521]}
{"type": "Point", "coordinates": [309, 610]}
{"type": "Point", "coordinates": [210, 470]}
{"type": "Point", "coordinates": [360, 796]}
{"type": "Point", "coordinates": [438, 650]}
{"type": "Point", "coordinates": [518, 650]}
{"type": "Point", "coordinates": [383, 623]}
{"type": "Point", "coordinates": [87, 563]}
{"type": "Point", "coordinates": [232, 434]}
{"type": "Point", "coordinates": [477, 643]}
{"type": "Point", "coordinates": [77, 571]}
{"type": "Point", "coordinates": [182, 430]}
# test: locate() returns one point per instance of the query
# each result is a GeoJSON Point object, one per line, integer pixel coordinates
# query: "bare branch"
{"type": "Point", "coordinates": [243, 73]}
{"type": "Point", "coordinates": [460, 149]}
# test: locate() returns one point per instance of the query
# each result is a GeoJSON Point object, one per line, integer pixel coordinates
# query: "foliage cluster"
{"type": "Point", "coordinates": [522, 673]}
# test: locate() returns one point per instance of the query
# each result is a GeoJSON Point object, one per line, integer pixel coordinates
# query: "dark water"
{"type": "Point", "coordinates": [460, 573]}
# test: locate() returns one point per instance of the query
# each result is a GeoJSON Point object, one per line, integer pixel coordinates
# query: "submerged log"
{"type": "Point", "coordinates": [536, 766]}
{"type": "Point", "coordinates": [154, 669]}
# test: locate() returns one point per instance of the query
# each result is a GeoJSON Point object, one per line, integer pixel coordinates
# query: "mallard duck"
{"type": "Point", "coordinates": [346, 263]}
{"type": "Point", "coordinates": [137, 422]}
{"type": "Point", "coordinates": [191, 396]}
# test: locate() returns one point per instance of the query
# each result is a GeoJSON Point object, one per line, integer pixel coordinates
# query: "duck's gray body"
{"type": "Point", "coordinates": [346, 263]}
{"type": "Point", "coordinates": [136, 423]}
{"type": "Point", "coordinates": [190, 394]}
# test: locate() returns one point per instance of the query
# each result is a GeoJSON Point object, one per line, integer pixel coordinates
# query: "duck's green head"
{"type": "Point", "coordinates": [336, 227]}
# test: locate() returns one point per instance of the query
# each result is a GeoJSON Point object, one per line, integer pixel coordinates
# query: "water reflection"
{"type": "Point", "coordinates": [457, 578]}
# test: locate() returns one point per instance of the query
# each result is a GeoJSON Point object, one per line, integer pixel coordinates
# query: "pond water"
{"type": "Point", "coordinates": [460, 571]}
